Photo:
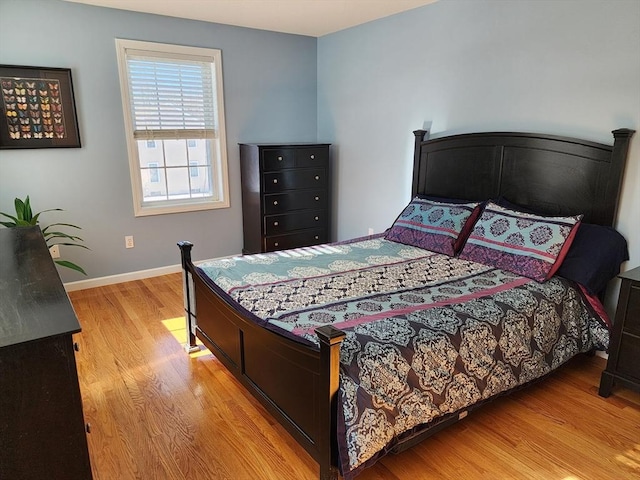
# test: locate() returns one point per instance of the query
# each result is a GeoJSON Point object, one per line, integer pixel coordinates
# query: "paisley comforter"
{"type": "Point", "coordinates": [427, 334]}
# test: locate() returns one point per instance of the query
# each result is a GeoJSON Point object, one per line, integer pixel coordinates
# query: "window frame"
{"type": "Point", "coordinates": [219, 166]}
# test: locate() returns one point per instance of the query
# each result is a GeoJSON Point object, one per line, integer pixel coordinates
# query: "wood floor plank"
{"type": "Point", "coordinates": [159, 413]}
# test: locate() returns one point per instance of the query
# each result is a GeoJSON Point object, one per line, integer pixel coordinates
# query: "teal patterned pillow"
{"type": "Point", "coordinates": [432, 225]}
{"type": "Point", "coordinates": [523, 243]}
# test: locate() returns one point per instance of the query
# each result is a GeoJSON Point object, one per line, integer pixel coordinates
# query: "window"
{"type": "Point", "coordinates": [174, 120]}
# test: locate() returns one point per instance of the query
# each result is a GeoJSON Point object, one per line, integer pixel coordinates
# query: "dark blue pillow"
{"type": "Point", "coordinates": [595, 257]}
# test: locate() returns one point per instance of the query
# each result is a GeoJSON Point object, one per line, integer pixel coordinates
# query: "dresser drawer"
{"type": "Point", "coordinates": [632, 316]}
{"type": "Point", "coordinates": [629, 356]}
{"type": "Point", "coordinates": [277, 159]}
{"type": "Point", "coordinates": [279, 224]}
{"type": "Point", "coordinates": [295, 240]}
{"type": "Point", "coordinates": [312, 157]}
{"type": "Point", "coordinates": [275, 182]}
{"type": "Point", "coordinates": [296, 200]}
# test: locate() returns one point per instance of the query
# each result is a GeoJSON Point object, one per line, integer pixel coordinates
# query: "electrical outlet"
{"type": "Point", "coordinates": [128, 241]}
{"type": "Point", "coordinates": [54, 251]}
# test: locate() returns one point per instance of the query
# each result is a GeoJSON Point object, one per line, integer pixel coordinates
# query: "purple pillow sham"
{"type": "Point", "coordinates": [523, 243]}
{"type": "Point", "coordinates": [436, 226]}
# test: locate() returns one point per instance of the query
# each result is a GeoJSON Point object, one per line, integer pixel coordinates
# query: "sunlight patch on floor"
{"type": "Point", "coordinates": [178, 328]}
{"type": "Point", "coordinates": [630, 458]}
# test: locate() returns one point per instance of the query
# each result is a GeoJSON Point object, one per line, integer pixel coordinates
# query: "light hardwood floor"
{"type": "Point", "coordinates": [157, 413]}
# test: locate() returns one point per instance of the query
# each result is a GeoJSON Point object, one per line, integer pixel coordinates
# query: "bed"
{"type": "Point", "coordinates": [364, 347]}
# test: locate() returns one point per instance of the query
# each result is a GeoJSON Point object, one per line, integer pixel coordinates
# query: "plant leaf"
{"type": "Point", "coordinates": [19, 206]}
{"type": "Point", "coordinates": [50, 235]}
{"type": "Point", "coordinates": [69, 245]}
{"type": "Point", "coordinates": [71, 265]}
{"type": "Point", "coordinates": [61, 225]}
{"type": "Point", "coordinates": [28, 213]}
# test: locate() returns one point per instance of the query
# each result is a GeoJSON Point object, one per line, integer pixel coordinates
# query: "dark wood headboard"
{"type": "Point", "coordinates": [551, 175]}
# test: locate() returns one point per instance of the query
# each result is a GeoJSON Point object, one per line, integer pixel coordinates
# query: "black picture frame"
{"type": "Point", "coordinates": [38, 108]}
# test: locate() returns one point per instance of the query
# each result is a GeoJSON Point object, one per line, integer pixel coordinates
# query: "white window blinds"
{"type": "Point", "coordinates": [171, 98]}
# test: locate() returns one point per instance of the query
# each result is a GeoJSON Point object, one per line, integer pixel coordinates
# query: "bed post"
{"type": "Point", "coordinates": [185, 254]}
{"type": "Point", "coordinates": [330, 340]}
{"type": "Point", "coordinates": [622, 139]}
{"type": "Point", "coordinates": [419, 138]}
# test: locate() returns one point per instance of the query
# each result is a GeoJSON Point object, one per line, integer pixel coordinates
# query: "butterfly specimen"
{"type": "Point", "coordinates": [14, 135]}
{"type": "Point", "coordinates": [7, 91]}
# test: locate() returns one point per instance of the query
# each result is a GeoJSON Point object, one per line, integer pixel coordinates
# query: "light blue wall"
{"type": "Point", "coordinates": [569, 67]}
{"type": "Point", "coordinates": [565, 67]}
{"type": "Point", "coordinates": [270, 85]}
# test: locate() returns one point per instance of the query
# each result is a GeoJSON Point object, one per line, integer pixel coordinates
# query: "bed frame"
{"type": "Point", "coordinates": [299, 384]}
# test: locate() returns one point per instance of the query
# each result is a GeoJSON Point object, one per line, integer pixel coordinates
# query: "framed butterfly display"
{"type": "Point", "coordinates": [38, 108]}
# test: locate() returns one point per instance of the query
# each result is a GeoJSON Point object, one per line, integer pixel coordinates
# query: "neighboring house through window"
{"type": "Point", "coordinates": [174, 119]}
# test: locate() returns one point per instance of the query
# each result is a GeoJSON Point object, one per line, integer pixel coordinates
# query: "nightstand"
{"type": "Point", "coordinates": [623, 366]}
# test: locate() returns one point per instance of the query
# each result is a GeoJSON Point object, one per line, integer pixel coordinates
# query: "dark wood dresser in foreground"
{"type": "Point", "coordinates": [623, 365]}
{"type": "Point", "coordinates": [42, 428]}
{"type": "Point", "coordinates": [285, 195]}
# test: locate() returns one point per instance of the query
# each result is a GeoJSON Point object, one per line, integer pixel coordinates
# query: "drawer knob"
{"type": "Point", "coordinates": [317, 177]}
{"type": "Point", "coordinates": [279, 159]}
{"type": "Point", "coordinates": [275, 224]}
{"type": "Point", "coordinates": [76, 347]}
{"type": "Point", "coordinates": [317, 218]}
{"type": "Point", "coordinates": [275, 180]}
{"type": "Point", "coordinates": [317, 237]}
{"type": "Point", "coordinates": [87, 427]}
{"type": "Point", "coordinates": [276, 244]}
{"type": "Point", "coordinates": [317, 198]}
{"type": "Point", "coordinates": [275, 202]}
{"type": "Point", "coordinates": [312, 157]}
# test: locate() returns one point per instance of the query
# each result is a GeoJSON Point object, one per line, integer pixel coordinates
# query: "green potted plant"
{"type": "Point", "coordinates": [24, 217]}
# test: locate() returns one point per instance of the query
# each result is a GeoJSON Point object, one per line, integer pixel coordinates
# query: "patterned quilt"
{"type": "Point", "coordinates": [427, 334]}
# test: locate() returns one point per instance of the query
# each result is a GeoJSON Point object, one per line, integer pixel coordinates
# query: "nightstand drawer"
{"type": "Point", "coordinates": [294, 179]}
{"type": "Point", "coordinates": [279, 224]}
{"type": "Point", "coordinates": [299, 200]}
{"type": "Point", "coordinates": [629, 356]}
{"type": "Point", "coordinates": [632, 316]}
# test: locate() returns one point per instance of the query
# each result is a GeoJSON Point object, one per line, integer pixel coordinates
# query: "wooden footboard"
{"type": "Point", "coordinates": [297, 384]}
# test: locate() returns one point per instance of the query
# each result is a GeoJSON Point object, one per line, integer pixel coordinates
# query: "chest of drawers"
{"type": "Point", "coordinates": [285, 195]}
{"type": "Point", "coordinates": [623, 365]}
{"type": "Point", "coordinates": [42, 429]}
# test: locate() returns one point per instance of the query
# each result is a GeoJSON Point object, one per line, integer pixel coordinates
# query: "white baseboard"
{"type": "Point", "coordinates": [123, 277]}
